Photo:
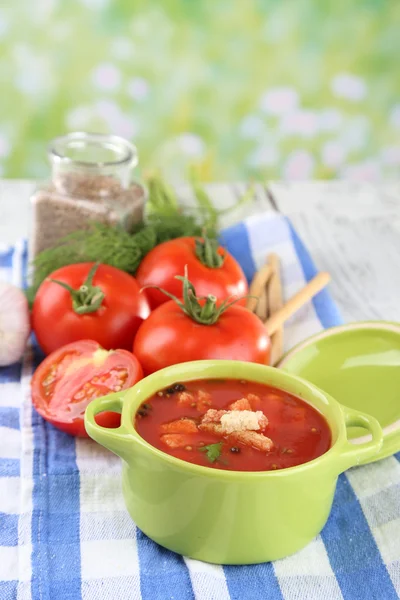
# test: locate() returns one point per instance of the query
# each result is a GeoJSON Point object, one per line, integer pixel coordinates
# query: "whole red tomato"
{"type": "Point", "coordinates": [192, 329]}
{"type": "Point", "coordinates": [88, 301]}
{"type": "Point", "coordinates": [67, 380]}
{"type": "Point", "coordinates": [212, 270]}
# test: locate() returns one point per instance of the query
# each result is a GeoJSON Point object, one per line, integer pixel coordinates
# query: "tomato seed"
{"type": "Point", "coordinates": [188, 448]}
{"type": "Point", "coordinates": [117, 388]}
{"type": "Point", "coordinates": [286, 451]}
{"type": "Point", "coordinates": [314, 430]}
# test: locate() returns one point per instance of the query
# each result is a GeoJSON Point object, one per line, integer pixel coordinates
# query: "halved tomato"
{"type": "Point", "coordinates": [69, 378]}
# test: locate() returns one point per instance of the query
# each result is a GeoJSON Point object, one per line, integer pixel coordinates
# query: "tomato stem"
{"type": "Point", "coordinates": [206, 312]}
{"type": "Point", "coordinates": [209, 308]}
{"type": "Point", "coordinates": [88, 298]}
{"type": "Point", "coordinates": [207, 252]}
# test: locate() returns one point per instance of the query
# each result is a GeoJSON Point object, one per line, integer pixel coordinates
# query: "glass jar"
{"type": "Point", "coordinates": [91, 181]}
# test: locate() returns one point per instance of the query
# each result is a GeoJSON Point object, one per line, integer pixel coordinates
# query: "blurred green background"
{"type": "Point", "coordinates": [247, 88]}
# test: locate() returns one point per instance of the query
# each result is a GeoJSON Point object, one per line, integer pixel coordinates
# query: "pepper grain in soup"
{"type": "Point", "coordinates": [233, 425]}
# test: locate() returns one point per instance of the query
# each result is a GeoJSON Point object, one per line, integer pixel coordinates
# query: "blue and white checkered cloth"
{"type": "Point", "coordinates": [65, 533]}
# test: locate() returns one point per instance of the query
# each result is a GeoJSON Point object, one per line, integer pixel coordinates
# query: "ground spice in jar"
{"type": "Point", "coordinates": [91, 181]}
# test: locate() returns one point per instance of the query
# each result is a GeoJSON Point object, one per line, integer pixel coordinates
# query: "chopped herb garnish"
{"type": "Point", "coordinates": [213, 451]}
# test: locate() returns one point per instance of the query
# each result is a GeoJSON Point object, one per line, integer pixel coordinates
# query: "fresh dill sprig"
{"type": "Point", "coordinates": [162, 199]}
{"type": "Point", "coordinates": [113, 245]}
{"type": "Point", "coordinates": [98, 243]}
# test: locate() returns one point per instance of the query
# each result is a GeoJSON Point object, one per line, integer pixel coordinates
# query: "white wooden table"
{"type": "Point", "coordinates": [351, 230]}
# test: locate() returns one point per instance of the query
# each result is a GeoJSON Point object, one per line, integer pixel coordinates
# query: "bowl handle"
{"type": "Point", "coordinates": [119, 439]}
{"type": "Point", "coordinates": [354, 454]}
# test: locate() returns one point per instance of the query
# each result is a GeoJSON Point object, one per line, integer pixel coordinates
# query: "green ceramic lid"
{"type": "Point", "coordinates": [359, 365]}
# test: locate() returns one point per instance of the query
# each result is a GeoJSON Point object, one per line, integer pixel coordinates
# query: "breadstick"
{"type": "Point", "coordinates": [297, 301]}
{"type": "Point", "coordinates": [262, 305]}
{"type": "Point", "coordinates": [275, 303]}
{"type": "Point", "coordinates": [256, 288]}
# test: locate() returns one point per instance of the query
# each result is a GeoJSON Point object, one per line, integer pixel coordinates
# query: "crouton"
{"type": "Point", "coordinates": [177, 440]}
{"type": "Point", "coordinates": [253, 439]}
{"type": "Point", "coordinates": [179, 426]}
{"type": "Point", "coordinates": [185, 398]}
{"type": "Point", "coordinates": [236, 420]}
{"type": "Point", "coordinates": [215, 428]}
{"type": "Point", "coordinates": [213, 416]}
{"type": "Point", "coordinates": [243, 420]}
{"type": "Point", "coordinates": [203, 400]}
{"type": "Point", "coordinates": [254, 400]}
{"type": "Point", "coordinates": [258, 441]}
{"type": "Point", "coordinates": [242, 404]}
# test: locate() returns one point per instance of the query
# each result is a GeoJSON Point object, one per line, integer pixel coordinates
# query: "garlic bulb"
{"type": "Point", "coordinates": [14, 323]}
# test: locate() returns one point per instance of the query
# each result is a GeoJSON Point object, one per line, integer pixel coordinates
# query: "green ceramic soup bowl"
{"type": "Point", "coordinates": [229, 517]}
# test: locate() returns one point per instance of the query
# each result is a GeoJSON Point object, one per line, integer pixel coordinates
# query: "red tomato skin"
{"type": "Point", "coordinates": [169, 337]}
{"type": "Point", "coordinates": [165, 261]}
{"type": "Point", "coordinates": [113, 325]}
{"type": "Point", "coordinates": [54, 414]}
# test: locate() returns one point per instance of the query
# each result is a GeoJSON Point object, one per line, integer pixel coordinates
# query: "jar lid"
{"type": "Point", "coordinates": [359, 365]}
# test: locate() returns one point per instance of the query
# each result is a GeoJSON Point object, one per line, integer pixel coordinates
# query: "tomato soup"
{"type": "Point", "coordinates": [233, 425]}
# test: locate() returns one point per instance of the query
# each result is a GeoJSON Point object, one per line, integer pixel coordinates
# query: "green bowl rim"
{"type": "Point", "coordinates": [130, 406]}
